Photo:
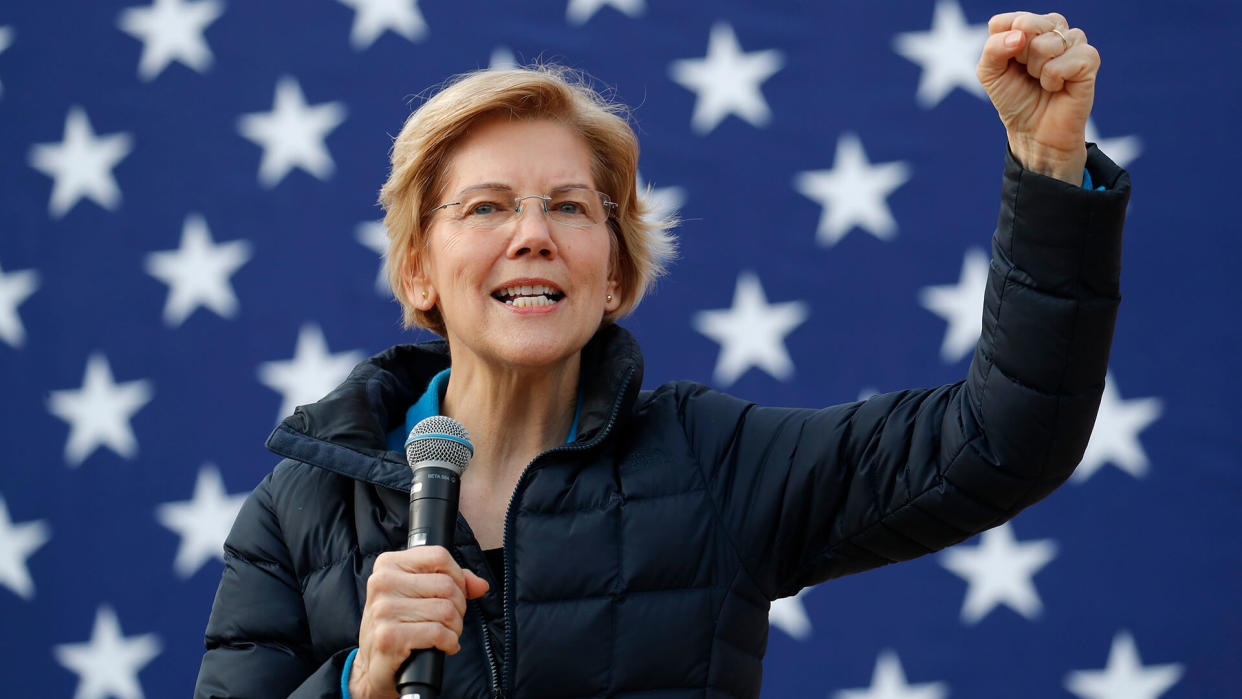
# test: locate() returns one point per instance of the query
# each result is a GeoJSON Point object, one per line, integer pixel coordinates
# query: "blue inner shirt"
{"type": "Point", "coordinates": [428, 404]}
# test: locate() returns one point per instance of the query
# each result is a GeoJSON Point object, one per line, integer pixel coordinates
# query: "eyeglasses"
{"type": "Point", "coordinates": [489, 208]}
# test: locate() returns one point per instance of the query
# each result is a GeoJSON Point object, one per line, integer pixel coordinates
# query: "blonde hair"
{"type": "Point", "coordinates": [642, 246]}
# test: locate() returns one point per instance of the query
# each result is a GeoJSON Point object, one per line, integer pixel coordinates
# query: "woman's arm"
{"type": "Point", "coordinates": [814, 494]}
{"type": "Point", "coordinates": [810, 495]}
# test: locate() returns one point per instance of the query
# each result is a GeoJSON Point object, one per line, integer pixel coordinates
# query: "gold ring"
{"type": "Point", "coordinates": [1063, 40]}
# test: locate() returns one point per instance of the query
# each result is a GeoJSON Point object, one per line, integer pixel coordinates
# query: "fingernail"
{"type": "Point", "coordinates": [1014, 38]}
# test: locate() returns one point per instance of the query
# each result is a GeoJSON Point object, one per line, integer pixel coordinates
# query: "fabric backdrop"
{"type": "Point", "coordinates": [189, 248]}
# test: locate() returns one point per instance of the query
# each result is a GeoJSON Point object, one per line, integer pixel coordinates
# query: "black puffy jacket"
{"type": "Point", "coordinates": [600, 598]}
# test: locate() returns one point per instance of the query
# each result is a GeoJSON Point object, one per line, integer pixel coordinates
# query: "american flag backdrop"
{"type": "Point", "coordinates": [189, 245]}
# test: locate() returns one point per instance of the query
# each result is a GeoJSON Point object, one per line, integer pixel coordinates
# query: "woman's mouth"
{"type": "Point", "coordinates": [523, 295]}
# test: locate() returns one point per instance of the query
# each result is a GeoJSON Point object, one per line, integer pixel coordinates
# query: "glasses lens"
{"type": "Point", "coordinates": [574, 206]}
{"type": "Point", "coordinates": [577, 207]}
{"type": "Point", "coordinates": [485, 208]}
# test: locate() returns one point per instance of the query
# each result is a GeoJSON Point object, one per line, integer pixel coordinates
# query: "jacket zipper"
{"type": "Point", "coordinates": [497, 691]}
{"type": "Point", "coordinates": [487, 640]}
{"type": "Point", "coordinates": [508, 543]}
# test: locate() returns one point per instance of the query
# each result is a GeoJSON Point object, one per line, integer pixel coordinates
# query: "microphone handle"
{"type": "Point", "coordinates": [433, 520]}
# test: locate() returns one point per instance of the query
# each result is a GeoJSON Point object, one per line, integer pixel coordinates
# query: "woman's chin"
{"type": "Point", "coordinates": [534, 350]}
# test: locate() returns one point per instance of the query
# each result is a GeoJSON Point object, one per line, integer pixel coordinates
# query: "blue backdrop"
{"type": "Point", "coordinates": [188, 249]}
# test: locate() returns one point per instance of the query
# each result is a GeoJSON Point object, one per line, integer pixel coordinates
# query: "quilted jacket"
{"type": "Point", "coordinates": [640, 559]}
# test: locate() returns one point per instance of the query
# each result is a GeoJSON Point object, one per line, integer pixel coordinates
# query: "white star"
{"type": "Point", "coordinates": [726, 81]}
{"type": "Point", "coordinates": [292, 134]}
{"type": "Point", "coordinates": [1115, 436]}
{"type": "Point", "coordinates": [202, 522]}
{"type": "Point", "coordinates": [752, 332]}
{"type": "Point", "coordinates": [311, 374]}
{"type": "Point", "coordinates": [502, 59]}
{"type": "Point", "coordinates": [197, 274]}
{"type": "Point", "coordinates": [374, 17]}
{"type": "Point", "coordinates": [579, 12]}
{"type": "Point", "coordinates": [999, 571]}
{"type": "Point", "coordinates": [961, 305]}
{"type": "Point", "coordinates": [81, 164]}
{"type": "Point", "coordinates": [6, 40]}
{"type": "Point", "coordinates": [17, 543]}
{"type": "Point", "coordinates": [663, 202]}
{"type": "Point", "coordinates": [15, 288]}
{"type": "Point", "coordinates": [853, 192]}
{"type": "Point", "coordinates": [948, 54]}
{"type": "Point", "coordinates": [1122, 149]}
{"type": "Point", "coordinates": [171, 30]}
{"type": "Point", "coordinates": [100, 411]}
{"type": "Point", "coordinates": [1125, 677]}
{"type": "Point", "coordinates": [108, 664]}
{"type": "Point", "coordinates": [374, 235]}
{"type": "Point", "coordinates": [888, 681]}
{"type": "Point", "coordinates": [789, 615]}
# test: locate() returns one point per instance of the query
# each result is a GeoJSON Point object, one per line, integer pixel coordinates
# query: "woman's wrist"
{"type": "Point", "coordinates": [357, 681]}
{"type": "Point", "coordinates": [1066, 166]}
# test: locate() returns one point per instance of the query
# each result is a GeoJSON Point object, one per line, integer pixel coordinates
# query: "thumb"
{"type": "Point", "coordinates": [476, 587]}
{"type": "Point", "coordinates": [997, 51]}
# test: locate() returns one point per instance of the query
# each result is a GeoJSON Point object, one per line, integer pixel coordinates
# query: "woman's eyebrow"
{"type": "Point", "coordinates": [485, 185]}
{"type": "Point", "coordinates": [507, 188]}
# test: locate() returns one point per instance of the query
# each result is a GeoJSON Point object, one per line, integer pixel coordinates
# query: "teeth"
{"type": "Point", "coordinates": [528, 290]}
{"type": "Point", "coordinates": [524, 301]}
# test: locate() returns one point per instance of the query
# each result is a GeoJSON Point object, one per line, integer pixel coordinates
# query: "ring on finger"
{"type": "Point", "coordinates": [1064, 41]}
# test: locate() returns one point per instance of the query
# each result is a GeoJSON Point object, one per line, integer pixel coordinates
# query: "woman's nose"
{"type": "Point", "coordinates": [532, 233]}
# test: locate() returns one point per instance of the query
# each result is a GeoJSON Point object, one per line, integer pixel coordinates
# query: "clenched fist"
{"type": "Point", "coordinates": [1040, 75]}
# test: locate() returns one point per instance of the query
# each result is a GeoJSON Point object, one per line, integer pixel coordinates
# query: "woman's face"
{"type": "Point", "coordinates": [473, 275]}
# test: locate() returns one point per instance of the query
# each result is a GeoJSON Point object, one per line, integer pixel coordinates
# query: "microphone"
{"type": "Point", "coordinates": [438, 450]}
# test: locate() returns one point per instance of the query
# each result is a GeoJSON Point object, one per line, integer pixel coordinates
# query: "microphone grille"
{"type": "Point", "coordinates": [439, 438]}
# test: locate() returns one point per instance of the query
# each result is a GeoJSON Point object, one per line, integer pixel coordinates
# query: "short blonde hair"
{"type": "Point", "coordinates": [642, 245]}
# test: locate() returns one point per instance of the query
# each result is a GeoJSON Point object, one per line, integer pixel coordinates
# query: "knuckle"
{"type": "Point", "coordinates": [385, 561]}
{"type": "Point", "coordinates": [386, 638]}
{"type": "Point", "coordinates": [383, 608]}
{"type": "Point", "coordinates": [438, 555]}
{"type": "Point", "coordinates": [379, 581]}
{"type": "Point", "coordinates": [445, 585]}
{"type": "Point", "coordinates": [444, 611]}
{"type": "Point", "coordinates": [438, 585]}
{"type": "Point", "coordinates": [446, 639]}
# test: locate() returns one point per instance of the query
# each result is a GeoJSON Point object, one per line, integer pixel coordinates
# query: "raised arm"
{"type": "Point", "coordinates": [810, 495]}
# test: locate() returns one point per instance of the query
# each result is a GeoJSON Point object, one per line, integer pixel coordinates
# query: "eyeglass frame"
{"type": "Point", "coordinates": [610, 206]}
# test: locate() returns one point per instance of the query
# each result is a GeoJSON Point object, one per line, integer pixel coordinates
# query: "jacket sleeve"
{"type": "Point", "coordinates": [258, 641]}
{"type": "Point", "coordinates": [809, 495]}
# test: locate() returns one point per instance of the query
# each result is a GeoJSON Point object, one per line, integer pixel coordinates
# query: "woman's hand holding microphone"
{"type": "Point", "coordinates": [416, 599]}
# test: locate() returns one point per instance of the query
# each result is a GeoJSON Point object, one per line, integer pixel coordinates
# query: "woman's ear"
{"type": "Point", "coordinates": [612, 296]}
{"type": "Point", "coordinates": [419, 292]}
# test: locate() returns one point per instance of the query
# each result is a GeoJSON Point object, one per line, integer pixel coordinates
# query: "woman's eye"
{"type": "Point", "coordinates": [486, 208]}
{"type": "Point", "coordinates": [570, 207]}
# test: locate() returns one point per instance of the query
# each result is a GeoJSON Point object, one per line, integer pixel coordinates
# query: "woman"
{"type": "Point", "coordinates": [639, 536]}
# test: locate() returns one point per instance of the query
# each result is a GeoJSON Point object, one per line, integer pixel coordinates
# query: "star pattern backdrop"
{"type": "Point", "coordinates": [189, 243]}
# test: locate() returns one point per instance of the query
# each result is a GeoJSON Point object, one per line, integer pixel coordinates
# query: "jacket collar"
{"type": "Point", "coordinates": [346, 431]}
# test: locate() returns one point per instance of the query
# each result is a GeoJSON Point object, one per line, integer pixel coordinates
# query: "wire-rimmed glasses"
{"type": "Point", "coordinates": [486, 208]}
